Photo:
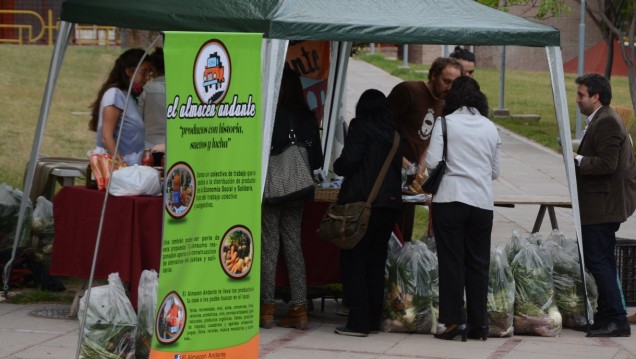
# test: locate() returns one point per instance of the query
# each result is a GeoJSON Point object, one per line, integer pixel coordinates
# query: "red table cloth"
{"type": "Point", "coordinates": [130, 242]}
{"type": "Point", "coordinates": [131, 238]}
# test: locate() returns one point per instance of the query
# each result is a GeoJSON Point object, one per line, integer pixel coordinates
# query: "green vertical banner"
{"type": "Point", "coordinates": [209, 281]}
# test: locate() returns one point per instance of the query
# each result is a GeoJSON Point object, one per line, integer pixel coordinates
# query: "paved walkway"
{"type": "Point", "coordinates": [527, 169]}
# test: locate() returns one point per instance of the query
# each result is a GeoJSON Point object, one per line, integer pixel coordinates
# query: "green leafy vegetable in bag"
{"type": "Point", "coordinates": [409, 306]}
{"type": "Point", "coordinates": [535, 308]}
{"type": "Point", "coordinates": [501, 295]}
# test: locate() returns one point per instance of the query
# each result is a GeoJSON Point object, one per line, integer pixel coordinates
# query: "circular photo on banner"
{"type": "Point", "coordinates": [212, 72]}
{"type": "Point", "coordinates": [180, 190]}
{"type": "Point", "coordinates": [237, 252]}
{"type": "Point", "coordinates": [171, 319]}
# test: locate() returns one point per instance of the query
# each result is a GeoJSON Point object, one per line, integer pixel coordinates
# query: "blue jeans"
{"type": "Point", "coordinates": [599, 243]}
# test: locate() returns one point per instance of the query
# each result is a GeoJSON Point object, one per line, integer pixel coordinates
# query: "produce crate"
{"type": "Point", "coordinates": [326, 194]}
{"type": "Point", "coordinates": [626, 266]}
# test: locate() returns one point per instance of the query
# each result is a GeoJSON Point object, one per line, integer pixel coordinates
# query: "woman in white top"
{"type": "Point", "coordinates": [108, 108]}
{"type": "Point", "coordinates": [462, 209]}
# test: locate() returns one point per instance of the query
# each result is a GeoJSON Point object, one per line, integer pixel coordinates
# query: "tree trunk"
{"type": "Point", "coordinates": [609, 61]}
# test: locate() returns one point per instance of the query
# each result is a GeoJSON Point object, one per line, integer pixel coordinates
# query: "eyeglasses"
{"type": "Point", "coordinates": [145, 73]}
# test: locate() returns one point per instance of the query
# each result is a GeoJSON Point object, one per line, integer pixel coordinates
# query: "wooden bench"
{"type": "Point", "coordinates": [544, 202]}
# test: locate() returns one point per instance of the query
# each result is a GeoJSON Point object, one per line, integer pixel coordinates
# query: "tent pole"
{"type": "Point", "coordinates": [581, 65]}
{"type": "Point", "coordinates": [87, 296]}
{"type": "Point", "coordinates": [273, 56]}
{"type": "Point", "coordinates": [334, 103]}
{"type": "Point", "coordinates": [63, 37]}
{"type": "Point", "coordinates": [555, 62]}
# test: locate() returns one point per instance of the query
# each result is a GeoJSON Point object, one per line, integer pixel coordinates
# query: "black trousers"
{"type": "Point", "coordinates": [599, 243]}
{"type": "Point", "coordinates": [462, 235]}
{"type": "Point", "coordinates": [362, 270]}
{"type": "Point", "coordinates": [405, 221]}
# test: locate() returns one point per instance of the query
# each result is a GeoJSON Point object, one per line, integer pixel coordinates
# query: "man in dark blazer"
{"type": "Point", "coordinates": [606, 179]}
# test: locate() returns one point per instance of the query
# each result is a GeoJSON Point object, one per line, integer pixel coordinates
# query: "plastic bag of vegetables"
{"type": "Point", "coordinates": [392, 253]}
{"type": "Point", "coordinates": [501, 295]}
{"type": "Point", "coordinates": [568, 286]}
{"type": "Point", "coordinates": [557, 236]}
{"type": "Point", "coordinates": [514, 246]}
{"type": "Point", "coordinates": [146, 310]}
{"type": "Point", "coordinates": [42, 224]}
{"type": "Point", "coordinates": [109, 322]}
{"type": "Point", "coordinates": [408, 304]}
{"type": "Point", "coordinates": [9, 211]}
{"type": "Point", "coordinates": [43, 231]}
{"type": "Point", "coordinates": [430, 243]}
{"type": "Point", "coordinates": [535, 308]}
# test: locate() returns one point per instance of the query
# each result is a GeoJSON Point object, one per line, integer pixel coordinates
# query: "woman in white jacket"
{"type": "Point", "coordinates": [462, 209]}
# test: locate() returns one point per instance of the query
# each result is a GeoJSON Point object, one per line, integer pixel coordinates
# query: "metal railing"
{"type": "Point", "coordinates": [94, 35]}
{"type": "Point", "coordinates": [24, 33]}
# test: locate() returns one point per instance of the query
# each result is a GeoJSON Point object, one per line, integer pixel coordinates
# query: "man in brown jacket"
{"type": "Point", "coordinates": [415, 106]}
{"type": "Point", "coordinates": [606, 179]}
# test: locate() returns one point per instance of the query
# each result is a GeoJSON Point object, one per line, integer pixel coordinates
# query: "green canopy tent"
{"type": "Point", "coordinates": [404, 21]}
{"type": "Point", "coordinates": [339, 21]}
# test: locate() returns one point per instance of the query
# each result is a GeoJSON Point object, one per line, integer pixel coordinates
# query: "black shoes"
{"type": "Point", "coordinates": [478, 332]}
{"type": "Point", "coordinates": [453, 332]}
{"type": "Point", "coordinates": [611, 329]}
{"type": "Point", "coordinates": [350, 332]}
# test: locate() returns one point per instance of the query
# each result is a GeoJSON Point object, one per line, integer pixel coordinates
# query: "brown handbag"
{"type": "Point", "coordinates": [344, 225]}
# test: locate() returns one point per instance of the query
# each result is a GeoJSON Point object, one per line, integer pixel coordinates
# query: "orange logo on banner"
{"type": "Point", "coordinates": [309, 58]}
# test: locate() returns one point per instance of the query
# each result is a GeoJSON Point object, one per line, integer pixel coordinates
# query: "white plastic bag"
{"type": "Point", "coordinates": [109, 331]}
{"type": "Point", "coordinates": [42, 225]}
{"type": "Point", "coordinates": [135, 181]}
{"type": "Point", "coordinates": [146, 309]}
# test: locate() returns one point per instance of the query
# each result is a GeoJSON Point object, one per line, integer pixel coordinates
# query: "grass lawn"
{"type": "Point", "coordinates": [23, 75]}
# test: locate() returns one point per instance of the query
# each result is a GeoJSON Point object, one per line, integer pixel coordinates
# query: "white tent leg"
{"type": "Point", "coordinates": [273, 62]}
{"type": "Point", "coordinates": [98, 239]}
{"type": "Point", "coordinates": [334, 103]}
{"type": "Point", "coordinates": [555, 62]}
{"type": "Point", "coordinates": [63, 37]}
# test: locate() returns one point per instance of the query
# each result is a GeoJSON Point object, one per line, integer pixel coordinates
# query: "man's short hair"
{"type": "Point", "coordinates": [440, 64]}
{"type": "Point", "coordinates": [597, 84]}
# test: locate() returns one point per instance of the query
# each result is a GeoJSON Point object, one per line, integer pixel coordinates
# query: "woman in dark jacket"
{"type": "Point", "coordinates": [369, 140]}
{"type": "Point", "coordinates": [281, 223]}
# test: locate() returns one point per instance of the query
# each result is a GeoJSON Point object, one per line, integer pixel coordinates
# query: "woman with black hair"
{"type": "Point", "coordinates": [466, 58]}
{"type": "Point", "coordinates": [368, 142]}
{"type": "Point", "coordinates": [107, 114]}
{"type": "Point", "coordinates": [462, 208]}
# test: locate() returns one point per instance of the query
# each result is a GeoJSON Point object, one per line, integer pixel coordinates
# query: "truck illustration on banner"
{"type": "Point", "coordinates": [213, 75]}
